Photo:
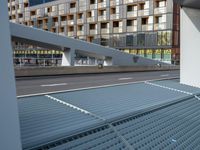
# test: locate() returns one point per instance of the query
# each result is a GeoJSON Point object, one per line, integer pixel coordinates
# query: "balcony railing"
{"type": "Point", "coordinates": [72, 10]}
{"type": "Point", "coordinates": [79, 21]}
{"type": "Point", "coordinates": [102, 4]}
{"type": "Point", "coordinates": [160, 10]}
{"type": "Point", "coordinates": [54, 13]}
{"type": "Point", "coordinates": [114, 16]}
{"type": "Point", "coordinates": [103, 31]}
{"type": "Point", "coordinates": [117, 30]}
{"type": "Point", "coordinates": [63, 23]}
{"type": "Point", "coordinates": [93, 6]}
{"type": "Point", "coordinates": [70, 33]}
{"type": "Point", "coordinates": [132, 14]}
{"type": "Point", "coordinates": [147, 27]}
{"type": "Point", "coordinates": [129, 1]}
{"type": "Point", "coordinates": [62, 33]}
{"type": "Point", "coordinates": [93, 31]}
{"type": "Point", "coordinates": [70, 22]}
{"type": "Point", "coordinates": [114, 3]}
{"type": "Point", "coordinates": [80, 33]}
{"type": "Point", "coordinates": [101, 18]}
{"type": "Point", "coordinates": [91, 19]}
{"type": "Point", "coordinates": [160, 26]}
{"type": "Point", "coordinates": [62, 12]}
{"type": "Point", "coordinates": [144, 12]}
{"type": "Point", "coordinates": [132, 28]}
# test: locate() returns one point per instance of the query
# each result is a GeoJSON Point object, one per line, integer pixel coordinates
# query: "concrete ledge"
{"type": "Point", "coordinates": [50, 71]}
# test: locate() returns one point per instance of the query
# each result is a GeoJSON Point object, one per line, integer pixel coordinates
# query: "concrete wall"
{"type": "Point", "coordinates": [190, 46]}
{"type": "Point", "coordinates": [85, 70]}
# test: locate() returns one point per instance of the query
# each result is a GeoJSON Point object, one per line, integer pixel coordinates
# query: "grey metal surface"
{"type": "Point", "coordinates": [43, 120]}
{"type": "Point", "coordinates": [173, 127]}
{"type": "Point", "coordinates": [169, 124]}
{"type": "Point", "coordinates": [175, 84]}
{"type": "Point", "coordinates": [112, 102]}
{"type": "Point", "coordinates": [97, 139]}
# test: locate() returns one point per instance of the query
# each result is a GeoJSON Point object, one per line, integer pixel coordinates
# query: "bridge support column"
{"type": "Point", "coordinates": [68, 57]}
{"type": "Point", "coordinates": [9, 126]}
{"type": "Point", "coordinates": [190, 46]}
{"type": "Point", "coordinates": [108, 61]}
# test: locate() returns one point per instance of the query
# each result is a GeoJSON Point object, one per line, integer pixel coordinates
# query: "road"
{"type": "Point", "coordinates": [42, 85]}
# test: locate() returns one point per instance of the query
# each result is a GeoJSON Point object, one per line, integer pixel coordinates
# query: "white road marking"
{"type": "Point", "coordinates": [94, 87]}
{"type": "Point", "coordinates": [164, 75]}
{"type": "Point", "coordinates": [121, 79]}
{"type": "Point", "coordinates": [51, 85]}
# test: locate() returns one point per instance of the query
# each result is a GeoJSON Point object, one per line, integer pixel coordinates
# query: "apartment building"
{"type": "Point", "coordinates": [149, 28]}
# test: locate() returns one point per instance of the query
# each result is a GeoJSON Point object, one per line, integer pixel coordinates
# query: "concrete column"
{"type": "Point", "coordinates": [108, 61]}
{"type": "Point", "coordinates": [190, 46]}
{"type": "Point", "coordinates": [68, 57]}
{"type": "Point", "coordinates": [9, 126]}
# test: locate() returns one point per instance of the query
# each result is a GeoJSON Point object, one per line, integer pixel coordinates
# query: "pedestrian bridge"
{"type": "Point", "coordinates": [70, 46]}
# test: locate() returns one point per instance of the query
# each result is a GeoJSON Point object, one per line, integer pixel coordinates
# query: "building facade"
{"type": "Point", "coordinates": [148, 28]}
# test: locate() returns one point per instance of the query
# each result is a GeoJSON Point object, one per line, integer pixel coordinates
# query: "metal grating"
{"type": "Point", "coordinates": [43, 120]}
{"type": "Point", "coordinates": [119, 100]}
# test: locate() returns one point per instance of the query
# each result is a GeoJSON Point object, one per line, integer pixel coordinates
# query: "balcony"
{"type": "Point", "coordinates": [34, 16]}
{"type": "Point", "coordinates": [25, 1]}
{"type": "Point", "coordinates": [132, 28]}
{"type": "Point", "coordinates": [93, 6]}
{"type": "Point", "coordinates": [80, 21]}
{"type": "Point", "coordinates": [70, 22]}
{"type": "Point", "coordinates": [148, 27]}
{"type": "Point", "coordinates": [129, 1]}
{"type": "Point", "coordinates": [13, 3]}
{"type": "Point", "coordinates": [63, 23]}
{"type": "Point", "coordinates": [160, 10]}
{"type": "Point", "coordinates": [13, 12]}
{"type": "Point", "coordinates": [132, 14]}
{"type": "Point", "coordinates": [101, 18]}
{"type": "Point", "coordinates": [13, 20]}
{"type": "Point", "coordinates": [72, 10]}
{"type": "Point", "coordinates": [114, 16]}
{"type": "Point", "coordinates": [54, 13]}
{"type": "Point", "coordinates": [102, 4]}
{"type": "Point", "coordinates": [117, 30]}
{"type": "Point", "coordinates": [55, 24]}
{"type": "Point", "coordinates": [93, 31]}
{"type": "Point", "coordinates": [144, 12]}
{"type": "Point", "coordinates": [91, 19]}
{"type": "Point", "coordinates": [21, 19]}
{"type": "Point", "coordinates": [160, 26]}
{"type": "Point", "coordinates": [80, 33]}
{"type": "Point", "coordinates": [71, 33]}
{"type": "Point", "coordinates": [40, 13]}
{"type": "Point", "coordinates": [62, 33]}
{"type": "Point", "coordinates": [104, 31]}
{"type": "Point", "coordinates": [62, 12]}
{"type": "Point", "coordinates": [114, 3]}
{"type": "Point", "coordinates": [21, 10]}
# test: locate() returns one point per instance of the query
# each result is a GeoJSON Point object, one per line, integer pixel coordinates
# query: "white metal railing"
{"type": "Point", "coordinates": [144, 12]}
{"type": "Point", "coordinates": [105, 30]}
{"type": "Point", "coordinates": [114, 16]}
{"type": "Point", "coordinates": [132, 14]}
{"type": "Point", "coordinates": [72, 10]}
{"type": "Point", "coordinates": [132, 28]}
{"type": "Point", "coordinates": [93, 6]}
{"type": "Point", "coordinates": [101, 18]}
{"type": "Point", "coordinates": [63, 23]}
{"type": "Point", "coordinates": [80, 33]}
{"type": "Point", "coordinates": [80, 21]}
{"type": "Point", "coordinates": [117, 30]}
{"type": "Point", "coordinates": [93, 31]}
{"type": "Point", "coordinates": [102, 4]}
{"type": "Point", "coordinates": [71, 33]}
{"type": "Point", "coordinates": [91, 19]}
{"type": "Point", "coordinates": [147, 27]}
{"type": "Point", "coordinates": [160, 26]}
{"type": "Point", "coordinates": [70, 22]}
{"type": "Point", "coordinates": [160, 10]}
{"type": "Point", "coordinates": [129, 1]}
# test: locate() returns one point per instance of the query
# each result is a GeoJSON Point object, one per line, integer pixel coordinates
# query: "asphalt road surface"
{"type": "Point", "coordinates": [42, 85]}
